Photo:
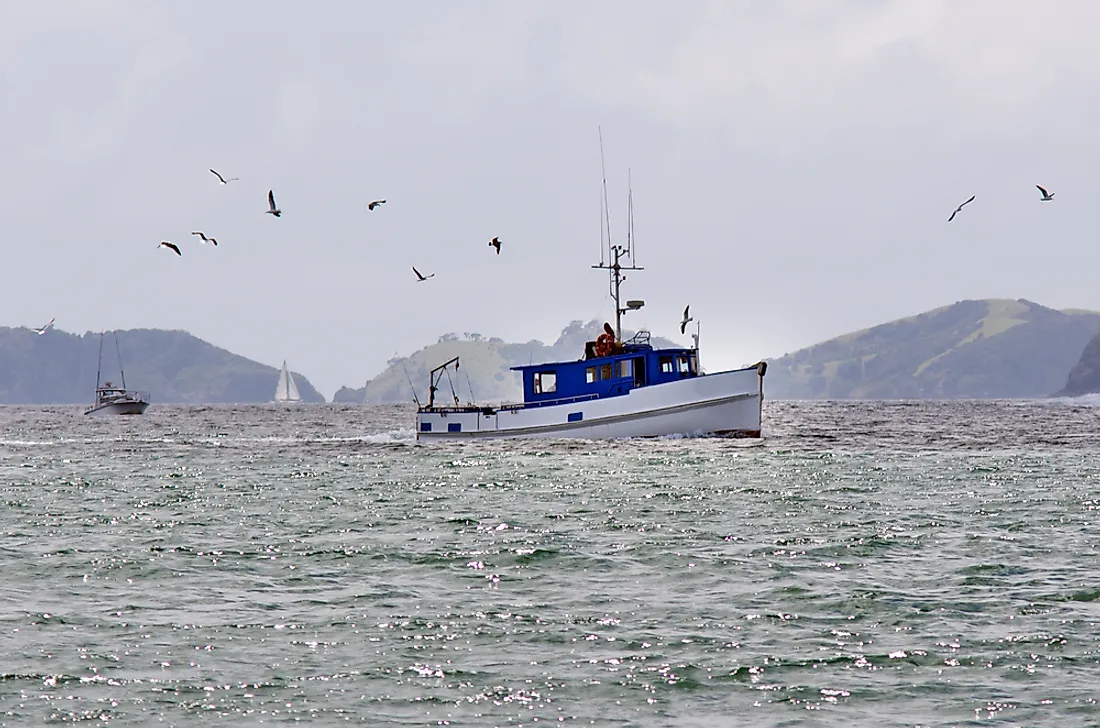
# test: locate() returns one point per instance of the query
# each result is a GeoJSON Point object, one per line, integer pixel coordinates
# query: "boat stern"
{"type": "Point", "coordinates": [435, 422]}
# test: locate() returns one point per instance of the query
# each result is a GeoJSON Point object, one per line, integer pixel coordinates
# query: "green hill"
{"type": "Point", "coordinates": [1084, 378]}
{"type": "Point", "coordinates": [485, 366]}
{"type": "Point", "coordinates": [970, 349]}
{"type": "Point", "coordinates": [173, 366]}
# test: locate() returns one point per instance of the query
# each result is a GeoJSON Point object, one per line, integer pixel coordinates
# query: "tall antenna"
{"type": "Point", "coordinates": [698, 356]}
{"type": "Point", "coordinates": [606, 207]}
{"type": "Point", "coordinates": [99, 369]}
{"type": "Point", "coordinates": [118, 353]}
{"type": "Point", "coordinates": [618, 255]}
{"type": "Point", "coordinates": [602, 241]}
{"type": "Point", "coordinates": [629, 217]}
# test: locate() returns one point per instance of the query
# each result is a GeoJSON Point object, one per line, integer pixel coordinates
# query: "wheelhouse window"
{"type": "Point", "coordinates": [591, 375]}
{"type": "Point", "coordinates": [626, 368]}
{"type": "Point", "coordinates": [683, 364]}
{"type": "Point", "coordinates": [605, 371]}
{"type": "Point", "coordinates": [665, 363]}
{"type": "Point", "coordinates": [545, 382]}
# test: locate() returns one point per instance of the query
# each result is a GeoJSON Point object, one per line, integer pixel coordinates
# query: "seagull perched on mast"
{"type": "Point", "coordinates": [1047, 196]}
{"type": "Point", "coordinates": [420, 278]}
{"type": "Point", "coordinates": [43, 329]}
{"type": "Point", "coordinates": [960, 207]}
{"type": "Point", "coordinates": [206, 239]}
{"type": "Point", "coordinates": [375, 203]}
{"type": "Point", "coordinates": [495, 243]}
{"type": "Point", "coordinates": [271, 204]}
{"type": "Point", "coordinates": [223, 180]}
{"type": "Point", "coordinates": [170, 246]}
{"type": "Point", "coordinates": [687, 319]}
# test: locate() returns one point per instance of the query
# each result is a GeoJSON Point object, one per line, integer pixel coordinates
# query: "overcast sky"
{"type": "Point", "coordinates": [793, 165]}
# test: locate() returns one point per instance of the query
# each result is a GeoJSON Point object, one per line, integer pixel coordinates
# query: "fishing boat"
{"type": "Point", "coordinates": [112, 400]}
{"type": "Point", "coordinates": [618, 389]}
{"type": "Point", "coordinates": [286, 392]}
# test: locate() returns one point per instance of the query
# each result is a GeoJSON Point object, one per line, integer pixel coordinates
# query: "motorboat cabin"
{"type": "Point", "coordinates": [634, 364]}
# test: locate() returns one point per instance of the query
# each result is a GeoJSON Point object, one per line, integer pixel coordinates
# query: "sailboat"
{"type": "Point", "coordinates": [112, 400]}
{"type": "Point", "coordinates": [287, 391]}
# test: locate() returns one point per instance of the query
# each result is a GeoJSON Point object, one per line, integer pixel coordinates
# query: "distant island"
{"type": "Point", "coordinates": [173, 366]}
{"type": "Point", "coordinates": [1084, 378]}
{"type": "Point", "coordinates": [484, 375]}
{"type": "Point", "coordinates": [974, 349]}
{"type": "Point", "coordinates": [971, 349]}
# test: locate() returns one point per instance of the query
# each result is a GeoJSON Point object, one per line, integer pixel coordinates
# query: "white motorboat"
{"type": "Point", "coordinates": [112, 400]}
{"type": "Point", "coordinates": [618, 389]}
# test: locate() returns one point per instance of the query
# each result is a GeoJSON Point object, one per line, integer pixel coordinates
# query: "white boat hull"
{"type": "Point", "coordinates": [726, 403]}
{"type": "Point", "coordinates": [118, 408]}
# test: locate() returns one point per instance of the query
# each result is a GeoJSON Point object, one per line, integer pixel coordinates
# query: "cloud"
{"type": "Point", "coordinates": [744, 63]}
{"type": "Point", "coordinates": [793, 165]}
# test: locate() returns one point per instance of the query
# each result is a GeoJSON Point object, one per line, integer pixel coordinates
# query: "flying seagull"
{"type": "Point", "coordinates": [271, 203]}
{"type": "Point", "coordinates": [495, 243]}
{"type": "Point", "coordinates": [960, 207]}
{"type": "Point", "coordinates": [206, 239]}
{"type": "Point", "coordinates": [170, 246]}
{"type": "Point", "coordinates": [687, 319]}
{"type": "Point", "coordinates": [223, 180]}
{"type": "Point", "coordinates": [420, 278]}
{"type": "Point", "coordinates": [43, 329]}
{"type": "Point", "coordinates": [1047, 196]}
{"type": "Point", "coordinates": [375, 203]}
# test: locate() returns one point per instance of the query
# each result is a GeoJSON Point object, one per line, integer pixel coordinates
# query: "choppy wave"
{"type": "Point", "coordinates": [874, 563]}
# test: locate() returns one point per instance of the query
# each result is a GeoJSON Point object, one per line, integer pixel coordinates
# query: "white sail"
{"type": "Point", "coordinates": [287, 390]}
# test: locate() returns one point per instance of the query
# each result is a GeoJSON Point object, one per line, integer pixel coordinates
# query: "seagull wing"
{"type": "Point", "coordinates": [968, 201]}
{"type": "Point", "coordinates": [683, 326]}
{"type": "Point", "coordinates": [271, 199]}
{"type": "Point", "coordinates": [686, 312]}
{"type": "Point", "coordinates": [420, 277]}
{"type": "Point", "coordinates": [1045, 193]}
{"type": "Point", "coordinates": [220, 178]}
{"type": "Point", "coordinates": [171, 246]}
{"type": "Point", "coordinates": [956, 212]}
{"type": "Point", "coordinates": [199, 234]}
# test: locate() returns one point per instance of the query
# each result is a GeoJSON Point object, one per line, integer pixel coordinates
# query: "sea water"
{"type": "Point", "coordinates": [877, 563]}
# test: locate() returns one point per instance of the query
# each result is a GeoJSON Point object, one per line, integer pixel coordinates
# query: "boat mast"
{"type": "Point", "coordinates": [121, 371]}
{"type": "Point", "coordinates": [617, 253]}
{"type": "Point", "coordinates": [99, 366]}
